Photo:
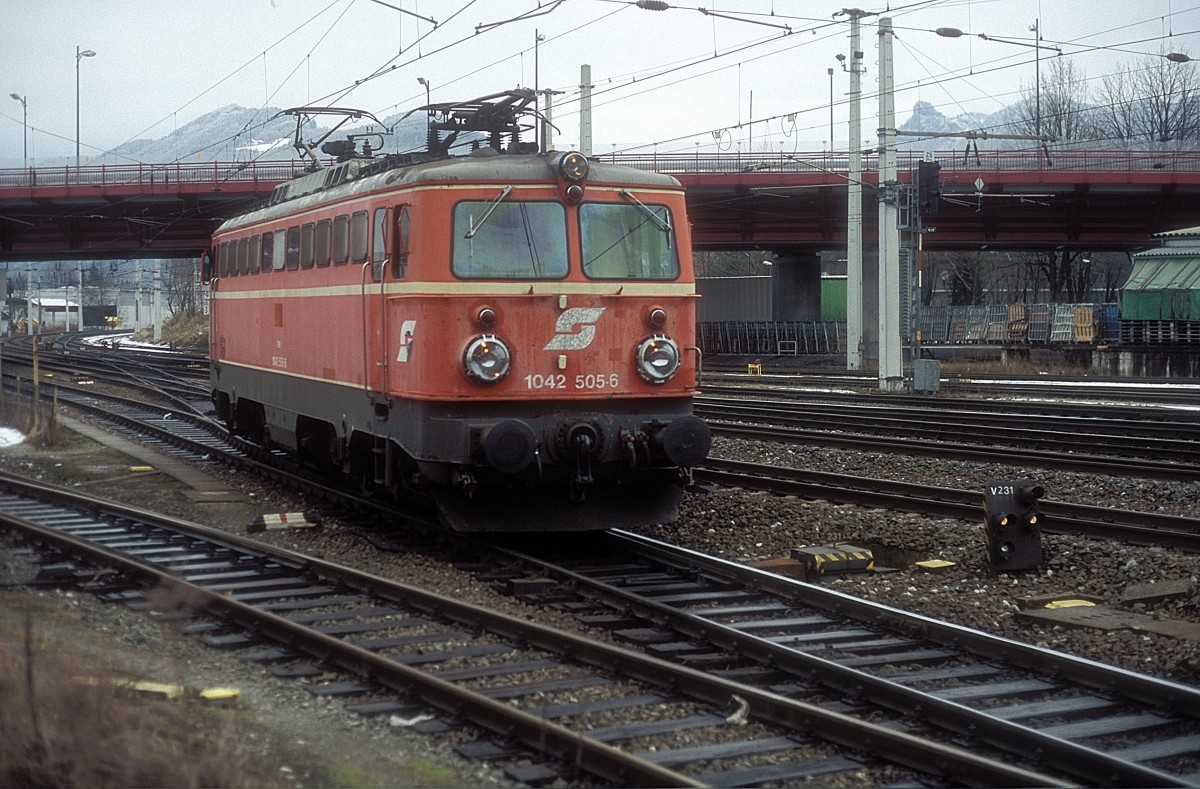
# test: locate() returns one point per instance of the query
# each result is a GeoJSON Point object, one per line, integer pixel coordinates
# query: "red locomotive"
{"type": "Point", "coordinates": [511, 333]}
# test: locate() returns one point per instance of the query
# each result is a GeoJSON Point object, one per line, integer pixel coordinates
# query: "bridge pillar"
{"type": "Point", "coordinates": [796, 287]}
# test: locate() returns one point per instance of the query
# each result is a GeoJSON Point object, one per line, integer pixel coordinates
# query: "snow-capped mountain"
{"type": "Point", "coordinates": [235, 133]}
{"type": "Point", "coordinates": [927, 118]}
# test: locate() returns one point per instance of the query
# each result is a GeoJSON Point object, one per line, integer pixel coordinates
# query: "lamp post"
{"type": "Point", "coordinates": [79, 55]}
{"type": "Point", "coordinates": [830, 69]}
{"type": "Point", "coordinates": [1037, 74]}
{"type": "Point", "coordinates": [25, 124]}
{"type": "Point", "coordinates": [429, 133]}
{"type": "Point", "coordinates": [538, 38]}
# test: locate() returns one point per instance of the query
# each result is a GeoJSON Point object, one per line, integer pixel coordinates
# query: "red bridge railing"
{"type": "Point", "coordinates": [154, 175]}
{"type": "Point", "coordinates": [160, 176]}
{"type": "Point", "coordinates": [1076, 161]}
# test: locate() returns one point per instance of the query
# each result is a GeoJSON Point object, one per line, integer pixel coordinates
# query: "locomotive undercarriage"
{"type": "Point", "coordinates": [561, 469]}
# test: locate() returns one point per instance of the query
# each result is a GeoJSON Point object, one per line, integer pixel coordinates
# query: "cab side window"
{"type": "Point", "coordinates": [378, 243]}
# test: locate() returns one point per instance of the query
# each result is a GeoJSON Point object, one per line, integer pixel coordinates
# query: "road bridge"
{"type": "Point", "coordinates": [783, 202]}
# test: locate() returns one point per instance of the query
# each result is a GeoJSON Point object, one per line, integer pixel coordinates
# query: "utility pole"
{"type": "Point", "coordinates": [155, 297]}
{"type": "Point", "coordinates": [854, 218]}
{"type": "Point", "coordinates": [891, 361]}
{"type": "Point", "coordinates": [547, 119]}
{"type": "Point", "coordinates": [80, 315]}
{"type": "Point", "coordinates": [585, 109]}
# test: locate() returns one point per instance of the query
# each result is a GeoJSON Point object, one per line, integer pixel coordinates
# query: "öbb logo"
{"type": "Point", "coordinates": [567, 338]}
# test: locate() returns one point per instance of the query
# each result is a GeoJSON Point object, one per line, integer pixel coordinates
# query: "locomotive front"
{"type": "Point", "coordinates": [550, 374]}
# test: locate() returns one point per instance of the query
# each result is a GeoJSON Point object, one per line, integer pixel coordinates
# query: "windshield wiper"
{"type": "Point", "coordinates": [659, 221]}
{"type": "Point", "coordinates": [491, 207]}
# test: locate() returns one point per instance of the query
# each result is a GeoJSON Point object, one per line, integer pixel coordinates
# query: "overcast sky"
{"type": "Point", "coordinates": [666, 78]}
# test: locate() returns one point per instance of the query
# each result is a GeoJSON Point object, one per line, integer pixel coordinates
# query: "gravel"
{"type": "Point", "coordinates": [750, 527]}
{"type": "Point", "coordinates": [736, 525]}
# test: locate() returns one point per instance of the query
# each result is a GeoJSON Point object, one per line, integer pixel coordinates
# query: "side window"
{"type": "Point", "coordinates": [321, 242]}
{"type": "Point", "coordinates": [293, 248]}
{"type": "Point", "coordinates": [403, 226]}
{"type": "Point", "coordinates": [255, 253]}
{"type": "Point", "coordinates": [341, 239]}
{"type": "Point", "coordinates": [243, 254]}
{"type": "Point", "coordinates": [306, 245]}
{"type": "Point", "coordinates": [223, 259]}
{"type": "Point", "coordinates": [268, 247]}
{"type": "Point", "coordinates": [378, 243]}
{"type": "Point", "coordinates": [359, 235]}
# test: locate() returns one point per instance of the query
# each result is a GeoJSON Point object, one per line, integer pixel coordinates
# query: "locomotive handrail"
{"type": "Point", "coordinates": [365, 356]}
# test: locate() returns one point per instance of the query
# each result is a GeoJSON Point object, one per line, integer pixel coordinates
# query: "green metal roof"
{"type": "Point", "coordinates": [1163, 287]}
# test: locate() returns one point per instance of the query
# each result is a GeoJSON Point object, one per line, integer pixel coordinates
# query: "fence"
{"type": "Point", "coordinates": [1020, 324]}
{"type": "Point", "coordinates": [996, 324]}
{"type": "Point", "coordinates": [772, 338]}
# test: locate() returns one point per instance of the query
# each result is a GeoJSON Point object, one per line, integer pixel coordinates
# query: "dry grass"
{"type": "Point", "coordinates": [183, 331]}
{"type": "Point", "coordinates": [1014, 367]}
{"type": "Point", "coordinates": [66, 723]}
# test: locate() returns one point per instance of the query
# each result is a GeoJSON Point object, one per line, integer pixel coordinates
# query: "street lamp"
{"type": "Point", "coordinates": [25, 121]}
{"type": "Point", "coordinates": [830, 70]}
{"type": "Point", "coordinates": [428, 113]}
{"type": "Point", "coordinates": [79, 55]}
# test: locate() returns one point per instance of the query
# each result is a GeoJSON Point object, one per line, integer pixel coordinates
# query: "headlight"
{"type": "Point", "coordinates": [486, 359]}
{"type": "Point", "coordinates": [657, 358]}
{"type": "Point", "coordinates": [574, 166]}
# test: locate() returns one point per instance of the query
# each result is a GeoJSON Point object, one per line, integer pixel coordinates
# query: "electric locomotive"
{"type": "Point", "coordinates": [508, 332]}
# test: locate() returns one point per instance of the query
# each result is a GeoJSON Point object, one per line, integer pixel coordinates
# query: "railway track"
{"type": "Point", "coordinates": [1163, 760]}
{"type": "Point", "coordinates": [1159, 435]}
{"type": "Point", "coordinates": [1030, 458]}
{"type": "Point", "coordinates": [1146, 528]}
{"type": "Point", "coordinates": [198, 439]}
{"type": "Point", "coordinates": [1096, 723]}
{"type": "Point", "coordinates": [1181, 392]}
{"type": "Point", "coordinates": [396, 648]}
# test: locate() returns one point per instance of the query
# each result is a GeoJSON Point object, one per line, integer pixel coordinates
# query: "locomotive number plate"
{"type": "Point", "coordinates": [589, 381]}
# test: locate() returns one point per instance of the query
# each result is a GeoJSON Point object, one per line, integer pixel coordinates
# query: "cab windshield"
{"type": "Point", "coordinates": [508, 239]}
{"type": "Point", "coordinates": [628, 241]}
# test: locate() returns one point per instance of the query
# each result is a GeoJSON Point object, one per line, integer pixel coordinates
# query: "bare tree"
{"type": "Point", "coordinates": [179, 286]}
{"type": "Point", "coordinates": [100, 284]}
{"type": "Point", "coordinates": [1068, 276]}
{"type": "Point", "coordinates": [1156, 100]}
{"type": "Point", "coordinates": [731, 264]}
{"type": "Point", "coordinates": [1059, 105]}
{"type": "Point", "coordinates": [1114, 271]}
{"type": "Point", "coordinates": [1011, 279]}
{"type": "Point", "coordinates": [962, 274]}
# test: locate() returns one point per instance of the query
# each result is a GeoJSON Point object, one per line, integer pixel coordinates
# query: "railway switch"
{"type": "Point", "coordinates": [1012, 527]}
